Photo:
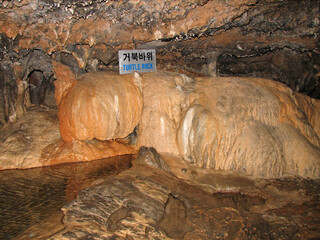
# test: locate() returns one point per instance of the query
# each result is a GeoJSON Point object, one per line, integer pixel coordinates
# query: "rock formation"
{"type": "Point", "coordinates": [250, 125]}
{"type": "Point", "coordinates": [147, 203]}
{"type": "Point", "coordinates": [209, 107]}
{"type": "Point", "coordinates": [101, 106]}
{"type": "Point", "coordinates": [151, 157]}
{"type": "Point", "coordinates": [163, 99]}
{"type": "Point", "coordinates": [254, 126]}
{"type": "Point", "coordinates": [21, 143]}
{"type": "Point", "coordinates": [35, 141]}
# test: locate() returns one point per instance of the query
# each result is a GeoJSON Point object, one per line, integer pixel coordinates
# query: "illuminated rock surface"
{"type": "Point", "coordinates": [276, 40]}
{"type": "Point", "coordinates": [101, 106]}
{"type": "Point", "coordinates": [244, 125]}
{"type": "Point", "coordinates": [22, 142]}
{"type": "Point", "coordinates": [253, 126]}
{"type": "Point", "coordinates": [35, 141]}
{"type": "Point", "coordinates": [164, 99]}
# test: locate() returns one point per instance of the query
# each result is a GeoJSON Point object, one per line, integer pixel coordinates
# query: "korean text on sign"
{"type": "Point", "coordinates": [137, 60]}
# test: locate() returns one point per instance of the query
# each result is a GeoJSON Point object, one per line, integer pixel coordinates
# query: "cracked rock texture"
{"type": "Point", "coordinates": [192, 203]}
{"type": "Point", "coordinates": [268, 38]}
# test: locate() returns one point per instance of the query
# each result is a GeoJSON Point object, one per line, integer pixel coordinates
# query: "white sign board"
{"type": "Point", "coordinates": [137, 61]}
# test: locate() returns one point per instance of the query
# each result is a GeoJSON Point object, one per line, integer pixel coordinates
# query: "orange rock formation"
{"type": "Point", "coordinates": [249, 125]}
{"type": "Point", "coordinates": [255, 126]}
{"type": "Point", "coordinates": [101, 106]}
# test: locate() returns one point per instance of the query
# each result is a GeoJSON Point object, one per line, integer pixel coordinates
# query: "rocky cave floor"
{"type": "Point", "coordinates": [163, 197]}
{"type": "Point", "coordinates": [190, 203]}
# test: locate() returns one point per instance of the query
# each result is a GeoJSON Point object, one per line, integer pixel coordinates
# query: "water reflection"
{"type": "Point", "coordinates": [30, 200]}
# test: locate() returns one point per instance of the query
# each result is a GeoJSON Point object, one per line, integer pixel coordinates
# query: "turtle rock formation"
{"type": "Point", "coordinates": [209, 107]}
{"type": "Point", "coordinates": [254, 126]}
{"type": "Point", "coordinates": [249, 125]}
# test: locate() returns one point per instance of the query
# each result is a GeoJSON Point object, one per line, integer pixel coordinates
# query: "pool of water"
{"type": "Point", "coordinates": [30, 200]}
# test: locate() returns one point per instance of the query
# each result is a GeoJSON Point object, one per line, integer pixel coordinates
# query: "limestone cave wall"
{"type": "Point", "coordinates": [275, 39]}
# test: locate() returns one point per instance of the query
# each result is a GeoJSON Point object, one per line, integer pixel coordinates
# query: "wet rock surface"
{"type": "Point", "coordinates": [150, 156]}
{"type": "Point", "coordinates": [148, 203]}
{"type": "Point", "coordinates": [31, 200]}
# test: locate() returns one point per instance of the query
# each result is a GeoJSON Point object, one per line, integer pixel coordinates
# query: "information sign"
{"type": "Point", "coordinates": [137, 61]}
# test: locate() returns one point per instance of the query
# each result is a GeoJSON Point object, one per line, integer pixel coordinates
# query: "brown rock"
{"type": "Point", "coordinates": [23, 141]}
{"type": "Point", "coordinates": [78, 151]}
{"type": "Point", "coordinates": [65, 79]}
{"type": "Point", "coordinates": [147, 203]}
{"type": "Point", "coordinates": [151, 157]}
{"type": "Point", "coordinates": [73, 23]}
{"type": "Point", "coordinates": [173, 221]}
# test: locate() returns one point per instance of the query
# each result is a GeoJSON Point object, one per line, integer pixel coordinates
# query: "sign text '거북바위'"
{"type": "Point", "coordinates": [137, 61]}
